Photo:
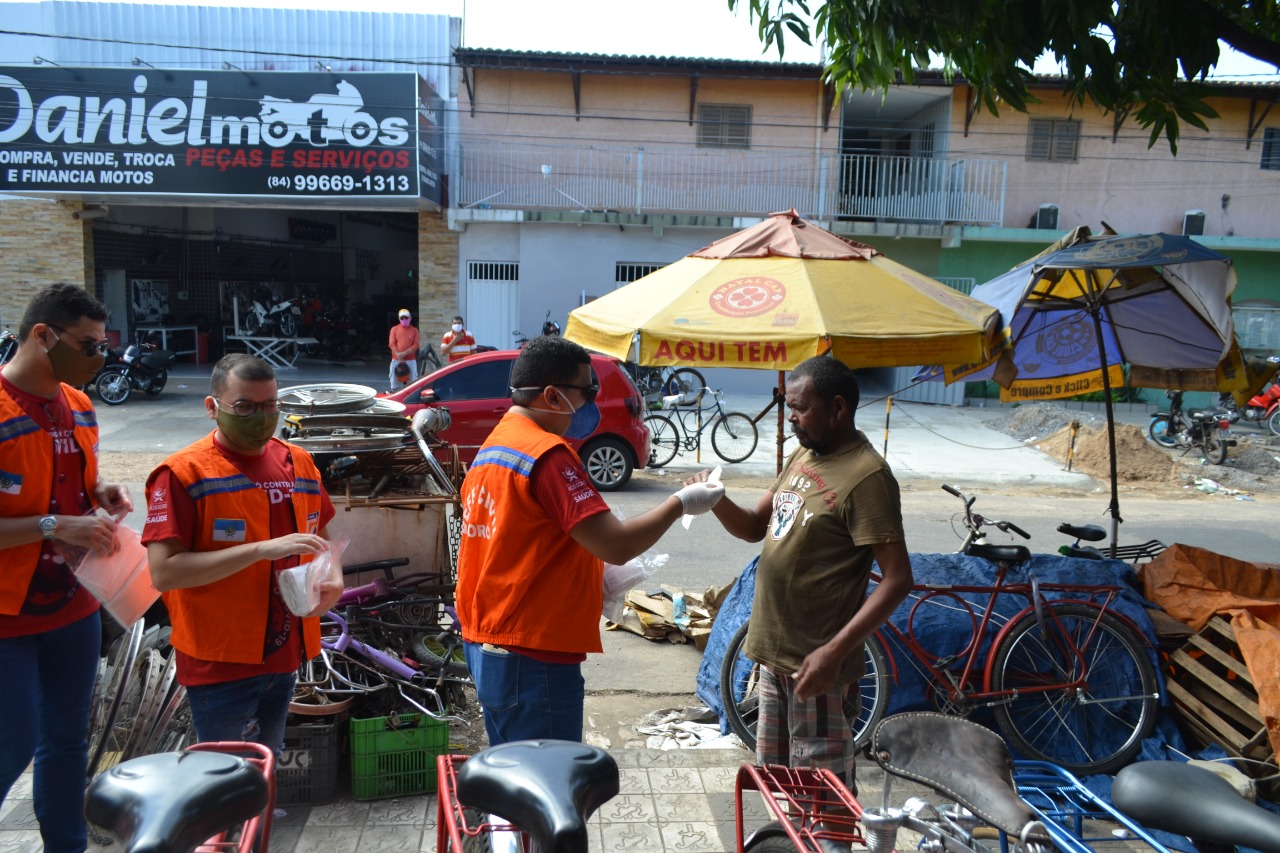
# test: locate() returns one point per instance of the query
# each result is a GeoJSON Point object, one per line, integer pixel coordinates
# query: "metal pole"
{"type": "Point", "coordinates": [888, 407]}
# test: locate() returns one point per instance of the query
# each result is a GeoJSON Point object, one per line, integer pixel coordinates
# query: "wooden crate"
{"type": "Point", "coordinates": [1214, 696]}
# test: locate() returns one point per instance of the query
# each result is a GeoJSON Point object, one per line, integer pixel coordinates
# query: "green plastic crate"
{"type": "Point", "coordinates": [396, 756]}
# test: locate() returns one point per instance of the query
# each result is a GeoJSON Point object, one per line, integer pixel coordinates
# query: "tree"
{"type": "Point", "coordinates": [1142, 58]}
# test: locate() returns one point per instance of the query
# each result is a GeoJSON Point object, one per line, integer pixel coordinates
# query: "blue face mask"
{"type": "Point", "coordinates": [584, 421]}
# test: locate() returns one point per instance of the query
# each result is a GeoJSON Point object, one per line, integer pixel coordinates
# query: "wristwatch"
{"type": "Point", "coordinates": [48, 526]}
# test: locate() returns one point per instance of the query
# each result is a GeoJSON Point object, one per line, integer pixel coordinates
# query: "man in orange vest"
{"type": "Point", "coordinates": [534, 535]}
{"type": "Point", "coordinates": [224, 516]}
{"type": "Point", "coordinates": [50, 632]}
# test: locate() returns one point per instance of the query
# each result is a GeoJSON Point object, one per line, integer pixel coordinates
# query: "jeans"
{"type": "Point", "coordinates": [48, 681]}
{"type": "Point", "coordinates": [524, 698]}
{"type": "Point", "coordinates": [250, 709]}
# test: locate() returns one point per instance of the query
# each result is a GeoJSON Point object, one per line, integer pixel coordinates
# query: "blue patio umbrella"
{"type": "Point", "coordinates": [1077, 313]}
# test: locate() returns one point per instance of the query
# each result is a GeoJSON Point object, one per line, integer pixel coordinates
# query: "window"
{"type": "Point", "coordinates": [493, 271]}
{"type": "Point", "coordinates": [1053, 140]}
{"type": "Point", "coordinates": [1271, 148]}
{"type": "Point", "coordinates": [625, 273]}
{"type": "Point", "coordinates": [487, 381]}
{"type": "Point", "coordinates": [724, 126]}
{"type": "Point", "coordinates": [964, 284]}
{"type": "Point", "coordinates": [1258, 326]}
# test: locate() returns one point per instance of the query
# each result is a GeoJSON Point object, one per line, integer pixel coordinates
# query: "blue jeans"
{"type": "Point", "coordinates": [250, 709]}
{"type": "Point", "coordinates": [48, 682]}
{"type": "Point", "coordinates": [524, 698]}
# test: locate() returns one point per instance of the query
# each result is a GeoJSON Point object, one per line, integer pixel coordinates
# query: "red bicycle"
{"type": "Point", "coordinates": [1068, 679]}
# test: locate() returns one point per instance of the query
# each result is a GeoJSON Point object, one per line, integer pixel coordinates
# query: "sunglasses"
{"type": "Point", "coordinates": [245, 408]}
{"type": "Point", "coordinates": [589, 392]}
{"type": "Point", "coordinates": [89, 348]}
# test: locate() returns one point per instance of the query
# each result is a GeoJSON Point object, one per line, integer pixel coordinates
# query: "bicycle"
{"type": "Point", "coordinates": [428, 360]}
{"type": "Point", "coordinates": [733, 435]}
{"type": "Point", "coordinates": [206, 797]}
{"type": "Point", "coordinates": [963, 761]}
{"type": "Point", "coordinates": [1068, 679]}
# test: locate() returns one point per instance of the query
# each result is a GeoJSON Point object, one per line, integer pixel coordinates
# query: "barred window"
{"type": "Point", "coordinates": [724, 126]}
{"type": "Point", "coordinates": [961, 283]}
{"type": "Point", "coordinates": [626, 272]}
{"type": "Point", "coordinates": [1258, 326]}
{"type": "Point", "coordinates": [1053, 140]}
{"type": "Point", "coordinates": [1271, 149]}
{"type": "Point", "coordinates": [493, 271]}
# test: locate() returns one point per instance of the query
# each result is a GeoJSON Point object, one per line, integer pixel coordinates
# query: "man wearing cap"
{"type": "Point", "coordinates": [403, 341]}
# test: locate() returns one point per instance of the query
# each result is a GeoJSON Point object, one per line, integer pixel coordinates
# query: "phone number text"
{"type": "Point", "coordinates": [341, 183]}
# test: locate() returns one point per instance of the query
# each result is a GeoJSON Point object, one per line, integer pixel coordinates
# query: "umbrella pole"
{"type": "Point", "coordinates": [781, 394]}
{"type": "Point", "coordinates": [1114, 508]}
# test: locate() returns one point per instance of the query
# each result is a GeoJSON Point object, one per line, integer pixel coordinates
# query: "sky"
{"type": "Point", "coordinates": [685, 28]}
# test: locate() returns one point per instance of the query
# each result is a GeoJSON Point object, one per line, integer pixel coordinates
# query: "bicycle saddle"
{"type": "Point", "coordinates": [175, 800]}
{"type": "Point", "coordinates": [961, 760]}
{"type": "Point", "coordinates": [999, 553]}
{"type": "Point", "coordinates": [1192, 801]}
{"type": "Point", "coordinates": [548, 788]}
{"type": "Point", "coordinates": [1086, 532]}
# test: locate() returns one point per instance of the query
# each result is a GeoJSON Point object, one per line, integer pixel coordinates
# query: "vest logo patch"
{"type": "Point", "coordinates": [228, 530]}
{"type": "Point", "coordinates": [10, 484]}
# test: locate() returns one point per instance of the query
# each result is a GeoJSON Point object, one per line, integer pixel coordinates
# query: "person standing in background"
{"type": "Point", "coordinates": [403, 341]}
{"type": "Point", "coordinates": [50, 630]}
{"type": "Point", "coordinates": [457, 343]}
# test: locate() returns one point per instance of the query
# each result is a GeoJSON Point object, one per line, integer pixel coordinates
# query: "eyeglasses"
{"type": "Point", "coordinates": [245, 408]}
{"type": "Point", "coordinates": [89, 348]}
{"type": "Point", "coordinates": [589, 392]}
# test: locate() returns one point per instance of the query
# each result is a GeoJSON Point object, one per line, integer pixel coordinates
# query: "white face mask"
{"type": "Point", "coordinates": [457, 327]}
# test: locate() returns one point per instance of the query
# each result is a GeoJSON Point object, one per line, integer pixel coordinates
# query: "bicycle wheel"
{"type": "Point", "coordinates": [1084, 691]}
{"type": "Point", "coordinates": [684, 381]}
{"type": "Point", "coordinates": [108, 695]}
{"type": "Point", "coordinates": [664, 440]}
{"type": "Point", "coordinates": [734, 437]}
{"type": "Point", "coordinates": [441, 650]}
{"type": "Point", "coordinates": [873, 688]}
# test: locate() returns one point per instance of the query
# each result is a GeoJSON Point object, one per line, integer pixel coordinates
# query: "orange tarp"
{"type": "Point", "coordinates": [1193, 585]}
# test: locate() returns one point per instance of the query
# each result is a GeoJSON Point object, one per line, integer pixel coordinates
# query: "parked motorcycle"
{"type": "Point", "coordinates": [550, 329]}
{"type": "Point", "coordinates": [1207, 430]}
{"type": "Point", "coordinates": [138, 367]}
{"type": "Point", "coordinates": [1262, 407]}
{"type": "Point", "coordinates": [263, 315]}
{"type": "Point", "coordinates": [8, 346]}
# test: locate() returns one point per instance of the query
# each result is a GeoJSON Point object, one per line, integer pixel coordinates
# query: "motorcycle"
{"type": "Point", "coordinates": [1263, 406]}
{"type": "Point", "coordinates": [8, 346]}
{"type": "Point", "coordinates": [138, 367]}
{"type": "Point", "coordinates": [1205, 429]}
{"type": "Point", "coordinates": [263, 315]}
{"type": "Point", "coordinates": [550, 329]}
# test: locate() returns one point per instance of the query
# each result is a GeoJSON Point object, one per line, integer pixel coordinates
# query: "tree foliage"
{"type": "Point", "coordinates": [1141, 58]}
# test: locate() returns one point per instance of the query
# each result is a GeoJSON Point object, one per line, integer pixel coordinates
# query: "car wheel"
{"type": "Point", "coordinates": [608, 464]}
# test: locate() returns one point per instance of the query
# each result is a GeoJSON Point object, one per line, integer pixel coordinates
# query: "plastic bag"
{"type": "Point", "coordinates": [300, 585]}
{"type": "Point", "coordinates": [120, 580]}
{"type": "Point", "coordinates": [620, 580]}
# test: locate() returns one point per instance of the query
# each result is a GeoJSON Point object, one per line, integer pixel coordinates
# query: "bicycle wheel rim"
{"type": "Point", "coordinates": [664, 441]}
{"type": "Point", "coordinates": [1096, 727]}
{"type": "Point", "coordinates": [734, 437]}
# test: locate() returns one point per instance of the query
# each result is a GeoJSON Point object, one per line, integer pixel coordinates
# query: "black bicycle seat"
{"type": "Point", "coordinates": [1087, 532]}
{"type": "Point", "coordinates": [999, 553]}
{"type": "Point", "coordinates": [175, 800]}
{"type": "Point", "coordinates": [1192, 801]}
{"type": "Point", "coordinates": [548, 788]}
{"type": "Point", "coordinates": [961, 760]}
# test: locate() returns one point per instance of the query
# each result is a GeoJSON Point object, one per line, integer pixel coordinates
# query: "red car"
{"type": "Point", "coordinates": [476, 392]}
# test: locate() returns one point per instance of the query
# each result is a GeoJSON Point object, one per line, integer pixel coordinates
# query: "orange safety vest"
{"type": "Point", "coordinates": [521, 580]}
{"type": "Point", "coordinates": [26, 482]}
{"type": "Point", "coordinates": [226, 620]}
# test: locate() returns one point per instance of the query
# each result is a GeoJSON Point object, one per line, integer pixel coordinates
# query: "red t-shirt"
{"type": "Point", "coordinates": [171, 514]}
{"type": "Point", "coordinates": [465, 345]}
{"type": "Point", "coordinates": [563, 490]}
{"type": "Point", "coordinates": [55, 598]}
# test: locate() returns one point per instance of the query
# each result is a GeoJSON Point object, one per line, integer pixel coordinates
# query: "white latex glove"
{"type": "Point", "coordinates": [698, 498]}
{"type": "Point", "coordinates": [713, 477]}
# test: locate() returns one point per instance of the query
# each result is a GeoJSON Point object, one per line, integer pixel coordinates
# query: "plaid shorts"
{"type": "Point", "coordinates": [816, 732]}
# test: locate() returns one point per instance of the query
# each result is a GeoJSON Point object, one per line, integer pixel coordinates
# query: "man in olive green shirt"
{"type": "Point", "coordinates": [834, 510]}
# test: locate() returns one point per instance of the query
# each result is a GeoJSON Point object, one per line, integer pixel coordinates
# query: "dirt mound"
{"type": "Point", "coordinates": [1137, 459]}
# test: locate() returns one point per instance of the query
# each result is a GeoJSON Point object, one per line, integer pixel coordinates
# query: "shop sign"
{"type": "Point", "coordinates": [430, 142]}
{"type": "Point", "coordinates": [278, 135]}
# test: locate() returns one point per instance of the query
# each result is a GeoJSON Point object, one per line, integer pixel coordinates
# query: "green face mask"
{"type": "Point", "coordinates": [250, 434]}
{"type": "Point", "coordinates": [72, 366]}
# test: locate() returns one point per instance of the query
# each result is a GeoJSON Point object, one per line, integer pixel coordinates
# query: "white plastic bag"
{"type": "Point", "coordinates": [300, 585]}
{"type": "Point", "coordinates": [620, 580]}
{"type": "Point", "coordinates": [120, 580]}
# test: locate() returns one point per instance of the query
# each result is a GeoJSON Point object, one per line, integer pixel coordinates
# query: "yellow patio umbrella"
{"type": "Point", "coordinates": [782, 291]}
